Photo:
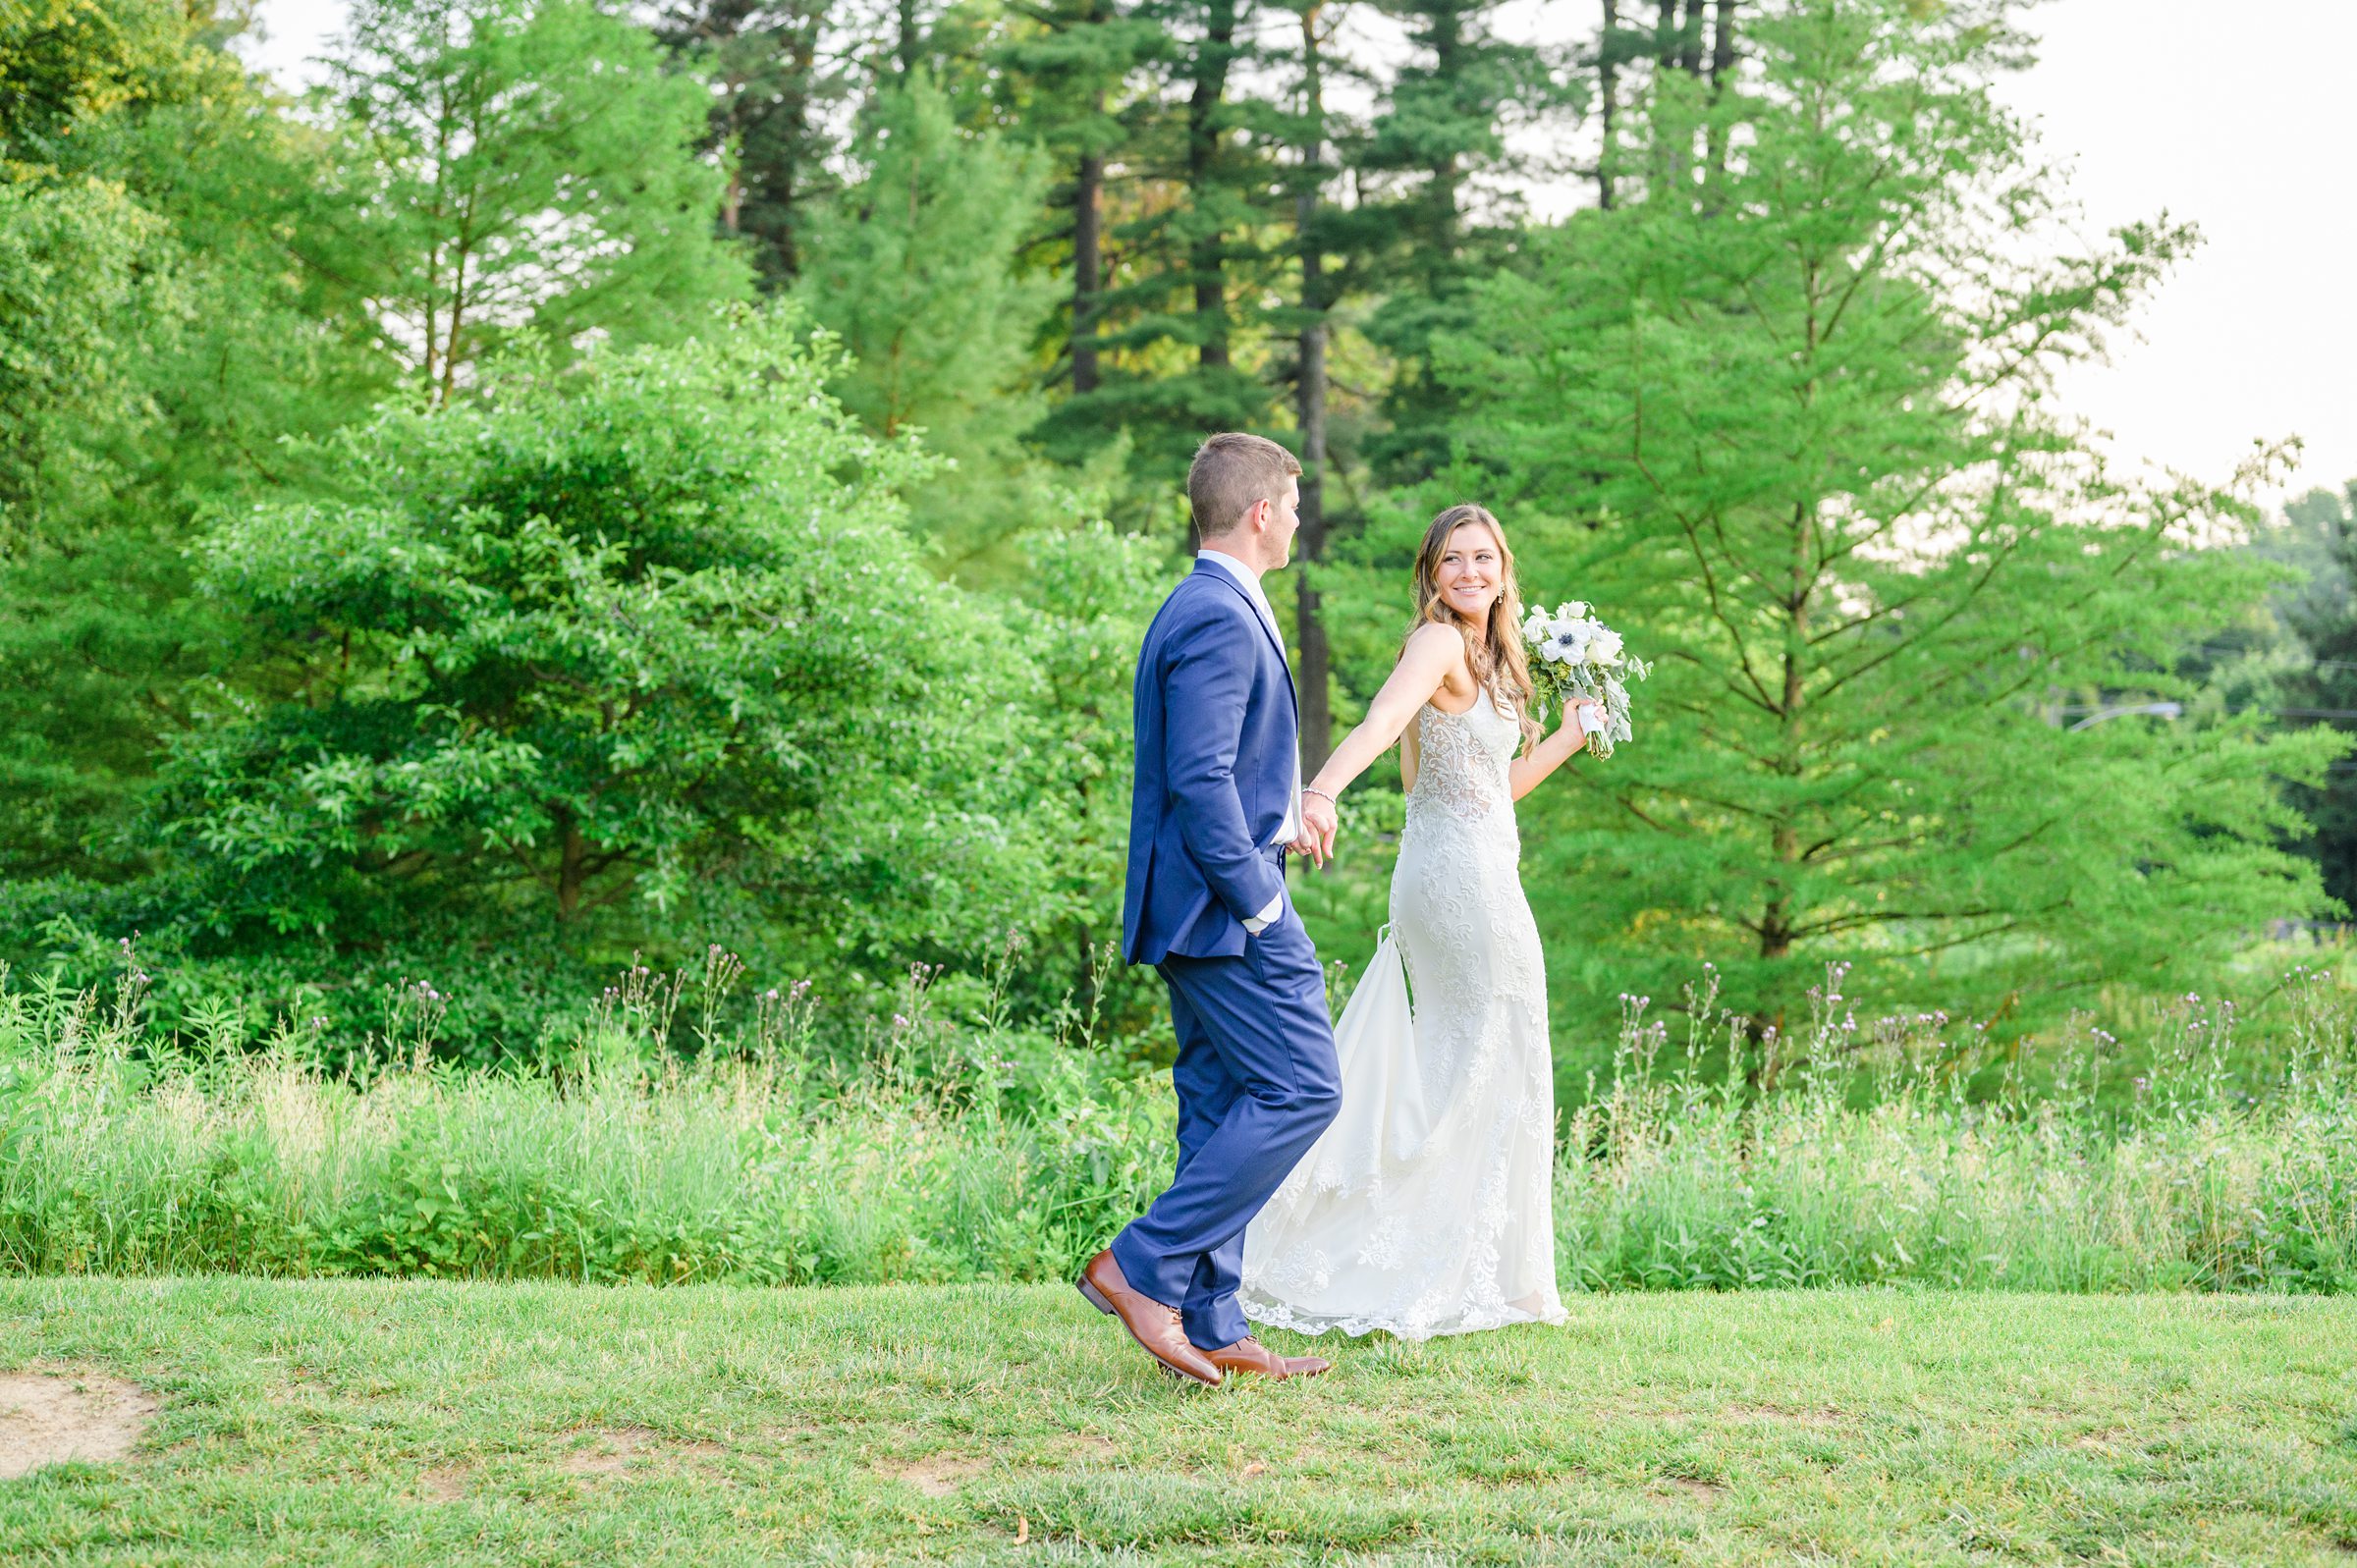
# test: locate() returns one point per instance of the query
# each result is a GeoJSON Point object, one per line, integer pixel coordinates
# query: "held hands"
{"type": "Point", "coordinates": [1319, 822]}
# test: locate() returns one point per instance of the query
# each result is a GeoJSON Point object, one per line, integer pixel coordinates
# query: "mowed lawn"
{"type": "Point", "coordinates": [441, 1423]}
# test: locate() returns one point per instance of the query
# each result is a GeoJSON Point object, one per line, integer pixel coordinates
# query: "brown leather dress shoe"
{"type": "Point", "coordinates": [1150, 1322]}
{"type": "Point", "coordinates": [1250, 1355]}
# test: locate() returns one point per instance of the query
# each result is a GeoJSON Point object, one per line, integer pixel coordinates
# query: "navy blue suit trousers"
{"type": "Point", "coordinates": [1257, 1082]}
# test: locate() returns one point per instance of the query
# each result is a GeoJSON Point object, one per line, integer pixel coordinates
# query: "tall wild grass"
{"type": "Point", "coordinates": [666, 1144]}
{"type": "Point", "coordinates": [1885, 1154]}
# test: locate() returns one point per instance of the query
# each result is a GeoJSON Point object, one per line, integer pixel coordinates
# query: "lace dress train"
{"type": "Point", "coordinates": [1427, 1207]}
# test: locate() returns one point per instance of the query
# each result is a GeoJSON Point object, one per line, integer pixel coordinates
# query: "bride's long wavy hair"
{"type": "Point", "coordinates": [1494, 650]}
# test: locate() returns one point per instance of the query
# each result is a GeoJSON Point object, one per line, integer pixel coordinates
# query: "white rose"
{"type": "Point", "coordinates": [1534, 627]}
{"type": "Point", "coordinates": [1576, 609]}
{"type": "Point", "coordinates": [1604, 648]}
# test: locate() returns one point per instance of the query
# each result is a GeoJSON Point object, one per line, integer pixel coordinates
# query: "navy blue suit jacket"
{"type": "Point", "coordinates": [1216, 731]}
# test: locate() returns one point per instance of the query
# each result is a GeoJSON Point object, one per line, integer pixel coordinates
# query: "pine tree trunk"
{"type": "Point", "coordinates": [1313, 657]}
{"type": "Point", "coordinates": [1608, 97]}
{"type": "Point", "coordinates": [1088, 194]}
{"type": "Point", "coordinates": [1202, 155]}
{"type": "Point", "coordinates": [1448, 64]}
{"type": "Point", "coordinates": [806, 60]}
{"type": "Point", "coordinates": [1673, 49]}
{"type": "Point", "coordinates": [906, 50]}
{"type": "Point", "coordinates": [1722, 66]}
{"type": "Point", "coordinates": [1778, 920]}
{"type": "Point", "coordinates": [732, 200]}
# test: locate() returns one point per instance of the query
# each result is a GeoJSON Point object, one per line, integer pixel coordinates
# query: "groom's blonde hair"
{"type": "Point", "coordinates": [1231, 473]}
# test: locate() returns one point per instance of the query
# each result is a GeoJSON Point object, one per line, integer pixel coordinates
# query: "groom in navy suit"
{"type": "Point", "coordinates": [1216, 804]}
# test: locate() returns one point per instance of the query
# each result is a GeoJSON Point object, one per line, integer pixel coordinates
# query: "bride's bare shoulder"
{"type": "Point", "coordinates": [1435, 644]}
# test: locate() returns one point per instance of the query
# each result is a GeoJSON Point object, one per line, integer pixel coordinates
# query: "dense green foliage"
{"type": "Point", "coordinates": [157, 340]}
{"type": "Point", "coordinates": [620, 647]}
{"type": "Point", "coordinates": [1794, 404]}
{"type": "Point", "coordinates": [422, 563]}
{"type": "Point", "coordinates": [519, 165]}
{"type": "Point", "coordinates": [2295, 660]}
{"type": "Point", "coordinates": [623, 636]}
{"type": "Point", "coordinates": [908, 269]}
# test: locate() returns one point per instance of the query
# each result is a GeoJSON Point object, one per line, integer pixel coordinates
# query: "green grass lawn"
{"type": "Point", "coordinates": [376, 1422]}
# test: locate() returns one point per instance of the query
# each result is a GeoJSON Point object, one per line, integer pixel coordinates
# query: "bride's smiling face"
{"type": "Point", "coordinates": [1472, 572]}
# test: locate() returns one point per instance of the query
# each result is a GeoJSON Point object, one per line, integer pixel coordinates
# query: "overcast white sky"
{"type": "Point", "coordinates": [2156, 104]}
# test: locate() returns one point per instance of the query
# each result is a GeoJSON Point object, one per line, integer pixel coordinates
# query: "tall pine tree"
{"type": "Point", "coordinates": [915, 268]}
{"type": "Point", "coordinates": [1180, 346]}
{"type": "Point", "coordinates": [1438, 163]}
{"type": "Point", "coordinates": [774, 88]}
{"type": "Point", "coordinates": [1795, 411]}
{"type": "Point", "coordinates": [1069, 78]}
{"type": "Point", "coordinates": [523, 165]}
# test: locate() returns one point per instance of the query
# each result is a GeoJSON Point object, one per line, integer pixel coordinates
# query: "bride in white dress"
{"type": "Point", "coordinates": [1426, 1207]}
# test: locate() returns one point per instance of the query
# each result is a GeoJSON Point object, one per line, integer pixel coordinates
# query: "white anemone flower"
{"type": "Point", "coordinates": [1566, 642]}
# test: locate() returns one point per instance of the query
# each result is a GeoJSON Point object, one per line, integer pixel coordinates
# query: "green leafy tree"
{"type": "Point", "coordinates": [1791, 418]}
{"type": "Point", "coordinates": [915, 269]}
{"type": "Point", "coordinates": [156, 339]}
{"type": "Point", "coordinates": [72, 278]}
{"type": "Point", "coordinates": [78, 261]}
{"type": "Point", "coordinates": [66, 65]}
{"type": "Point", "coordinates": [636, 644]}
{"type": "Point", "coordinates": [1082, 606]}
{"type": "Point", "coordinates": [522, 165]}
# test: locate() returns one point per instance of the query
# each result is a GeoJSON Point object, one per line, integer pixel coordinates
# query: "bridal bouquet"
{"type": "Point", "coordinates": [1573, 655]}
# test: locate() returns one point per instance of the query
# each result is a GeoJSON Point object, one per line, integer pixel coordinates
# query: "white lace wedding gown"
{"type": "Point", "coordinates": [1426, 1207]}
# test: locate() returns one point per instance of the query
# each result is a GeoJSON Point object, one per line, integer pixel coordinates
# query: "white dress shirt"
{"type": "Point", "coordinates": [1291, 827]}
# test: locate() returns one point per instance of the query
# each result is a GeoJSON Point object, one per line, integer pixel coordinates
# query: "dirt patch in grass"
{"type": "Point", "coordinates": [936, 1475]}
{"type": "Point", "coordinates": [1699, 1490]}
{"type": "Point", "coordinates": [800, 1441]}
{"type": "Point", "coordinates": [49, 1417]}
{"type": "Point", "coordinates": [621, 1450]}
{"type": "Point", "coordinates": [1820, 1418]}
{"type": "Point", "coordinates": [1628, 1410]}
{"type": "Point", "coordinates": [444, 1483]}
